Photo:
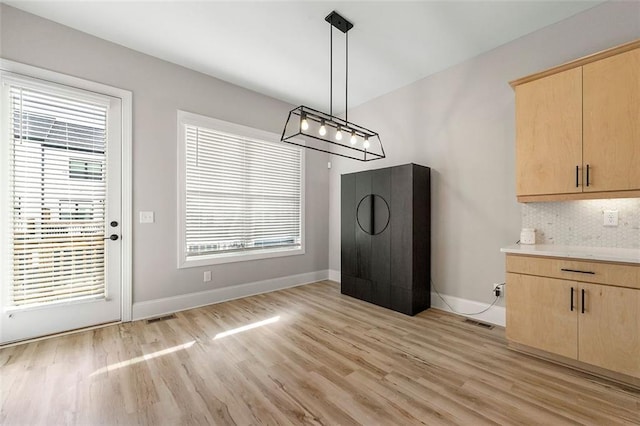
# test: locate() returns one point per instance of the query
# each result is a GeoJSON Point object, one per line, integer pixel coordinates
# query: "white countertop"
{"type": "Point", "coordinates": [577, 252]}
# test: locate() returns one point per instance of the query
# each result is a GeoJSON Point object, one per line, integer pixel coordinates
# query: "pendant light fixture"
{"type": "Point", "coordinates": [324, 132]}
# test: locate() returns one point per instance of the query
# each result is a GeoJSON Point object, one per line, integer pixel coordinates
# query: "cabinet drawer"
{"type": "Point", "coordinates": [622, 275]}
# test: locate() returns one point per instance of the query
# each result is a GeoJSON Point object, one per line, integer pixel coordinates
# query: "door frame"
{"type": "Point", "coordinates": [126, 98]}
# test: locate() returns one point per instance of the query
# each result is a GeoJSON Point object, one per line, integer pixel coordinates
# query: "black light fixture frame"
{"type": "Point", "coordinates": [300, 113]}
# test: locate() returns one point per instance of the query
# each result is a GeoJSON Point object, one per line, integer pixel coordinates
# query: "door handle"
{"type": "Point", "coordinates": [372, 230]}
{"type": "Point", "coordinates": [582, 301]}
{"type": "Point", "coordinates": [587, 175]}
{"type": "Point", "coordinates": [577, 180]}
{"type": "Point", "coordinates": [571, 299]}
{"type": "Point", "coordinates": [112, 237]}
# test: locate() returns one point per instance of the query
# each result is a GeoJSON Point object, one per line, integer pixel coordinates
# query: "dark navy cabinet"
{"type": "Point", "coordinates": [386, 237]}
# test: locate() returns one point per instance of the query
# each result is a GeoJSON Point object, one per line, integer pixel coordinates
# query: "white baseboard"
{"type": "Point", "coordinates": [157, 307]}
{"type": "Point", "coordinates": [496, 315]}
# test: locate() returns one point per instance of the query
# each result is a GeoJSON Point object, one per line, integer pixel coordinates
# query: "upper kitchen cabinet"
{"type": "Point", "coordinates": [549, 120]}
{"type": "Point", "coordinates": [611, 138]}
{"type": "Point", "coordinates": [578, 128]}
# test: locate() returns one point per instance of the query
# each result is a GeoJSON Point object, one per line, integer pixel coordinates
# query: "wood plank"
{"type": "Point", "coordinates": [329, 359]}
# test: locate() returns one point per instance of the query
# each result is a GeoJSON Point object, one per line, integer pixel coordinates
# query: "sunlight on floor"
{"type": "Point", "coordinates": [142, 358]}
{"type": "Point", "coordinates": [247, 327]}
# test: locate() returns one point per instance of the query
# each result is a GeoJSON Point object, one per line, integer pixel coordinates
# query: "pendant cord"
{"type": "Point", "coordinates": [331, 68]}
{"type": "Point", "coordinates": [346, 77]}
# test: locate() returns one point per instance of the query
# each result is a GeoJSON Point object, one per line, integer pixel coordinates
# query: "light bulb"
{"type": "Point", "coordinates": [353, 138]}
{"type": "Point", "coordinates": [339, 134]}
{"type": "Point", "coordinates": [366, 144]}
{"type": "Point", "coordinates": [304, 124]}
{"type": "Point", "coordinates": [323, 129]}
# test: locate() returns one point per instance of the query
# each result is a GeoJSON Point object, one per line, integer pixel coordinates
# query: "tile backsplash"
{"type": "Point", "coordinates": [580, 223]}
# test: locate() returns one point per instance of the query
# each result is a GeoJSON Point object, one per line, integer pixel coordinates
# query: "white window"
{"type": "Point", "coordinates": [241, 193]}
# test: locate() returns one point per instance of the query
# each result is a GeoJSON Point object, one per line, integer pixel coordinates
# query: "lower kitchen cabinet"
{"type": "Point", "coordinates": [540, 314]}
{"type": "Point", "coordinates": [610, 328]}
{"type": "Point", "coordinates": [595, 323]}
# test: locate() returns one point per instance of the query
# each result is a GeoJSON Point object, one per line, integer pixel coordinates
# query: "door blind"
{"type": "Point", "coordinates": [242, 194]}
{"type": "Point", "coordinates": [57, 194]}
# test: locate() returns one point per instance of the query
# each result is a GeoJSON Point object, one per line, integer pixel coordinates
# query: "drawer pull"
{"type": "Point", "coordinates": [579, 272]}
{"type": "Point", "coordinates": [571, 299]}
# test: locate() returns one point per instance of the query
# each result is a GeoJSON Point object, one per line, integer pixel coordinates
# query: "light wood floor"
{"type": "Point", "coordinates": [327, 359]}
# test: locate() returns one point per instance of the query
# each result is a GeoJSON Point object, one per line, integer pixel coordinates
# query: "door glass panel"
{"type": "Point", "coordinates": [57, 198]}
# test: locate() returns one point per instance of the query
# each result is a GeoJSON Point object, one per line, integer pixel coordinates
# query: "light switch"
{"type": "Point", "coordinates": [146, 217]}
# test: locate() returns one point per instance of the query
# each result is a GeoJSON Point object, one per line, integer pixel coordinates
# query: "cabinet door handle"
{"type": "Point", "coordinates": [582, 307]}
{"type": "Point", "coordinates": [577, 181]}
{"type": "Point", "coordinates": [587, 175]}
{"type": "Point", "coordinates": [571, 299]}
{"type": "Point", "coordinates": [577, 271]}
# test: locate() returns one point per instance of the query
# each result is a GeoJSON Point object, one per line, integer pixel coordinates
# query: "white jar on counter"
{"type": "Point", "coordinates": [528, 236]}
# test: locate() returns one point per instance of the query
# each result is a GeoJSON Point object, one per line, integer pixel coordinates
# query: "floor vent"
{"type": "Point", "coordinates": [162, 318]}
{"type": "Point", "coordinates": [479, 324]}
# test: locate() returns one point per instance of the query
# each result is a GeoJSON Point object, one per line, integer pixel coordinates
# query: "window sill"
{"type": "Point", "coordinates": [217, 259]}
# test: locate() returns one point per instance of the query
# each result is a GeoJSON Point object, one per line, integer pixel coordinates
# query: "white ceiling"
{"type": "Point", "coordinates": [281, 48]}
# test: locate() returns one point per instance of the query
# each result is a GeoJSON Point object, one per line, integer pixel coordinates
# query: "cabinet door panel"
{"type": "Point", "coordinates": [363, 239]}
{"type": "Point", "coordinates": [612, 122]}
{"type": "Point", "coordinates": [421, 236]}
{"type": "Point", "coordinates": [348, 285]}
{"type": "Point", "coordinates": [381, 242]}
{"type": "Point", "coordinates": [539, 313]}
{"type": "Point", "coordinates": [401, 224]}
{"type": "Point", "coordinates": [348, 260]}
{"type": "Point", "coordinates": [549, 134]}
{"type": "Point", "coordinates": [356, 287]}
{"type": "Point", "coordinates": [610, 328]}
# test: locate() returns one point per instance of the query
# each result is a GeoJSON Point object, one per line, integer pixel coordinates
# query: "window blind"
{"type": "Point", "coordinates": [57, 210]}
{"type": "Point", "coordinates": [242, 194]}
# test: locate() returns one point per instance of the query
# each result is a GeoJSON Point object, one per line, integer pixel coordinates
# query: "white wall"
{"type": "Point", "coordinates": [460, 122]}
{"type": "Point", "coordinates": [159, 90]}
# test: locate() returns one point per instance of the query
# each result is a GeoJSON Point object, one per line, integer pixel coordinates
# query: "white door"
{"type": "Point", "coordinates": [60, 187]}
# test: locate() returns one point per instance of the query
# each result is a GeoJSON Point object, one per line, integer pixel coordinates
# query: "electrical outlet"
{"type": "Point", "coordinates": [207, 276]}
{"type": "Point", "coordinates": [497, 289]}
{"type": "Point", "coordinates": [611, 218]}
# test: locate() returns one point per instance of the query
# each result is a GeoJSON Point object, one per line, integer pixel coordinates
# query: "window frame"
{"type": "Point", "coordinates": [185, 118]}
